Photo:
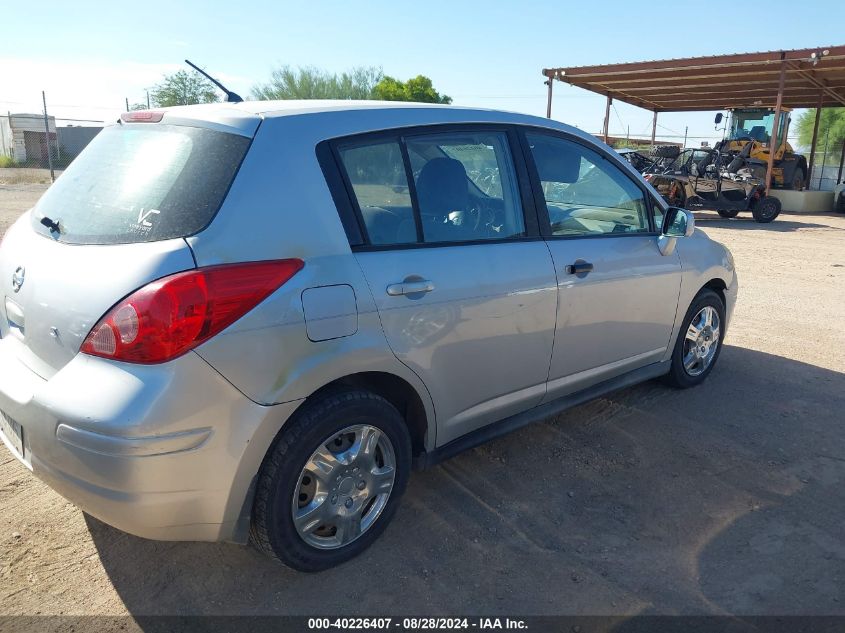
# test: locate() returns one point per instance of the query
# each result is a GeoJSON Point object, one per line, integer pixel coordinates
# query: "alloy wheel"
{"type": "Point", "coordinates": [701, 341]}
{"type": "Point", "coordinates": [343, 487]}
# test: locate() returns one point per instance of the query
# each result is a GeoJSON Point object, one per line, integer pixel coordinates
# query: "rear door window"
{"type": "Point", "coordinates": [141, 183]}
{"type": "Point", "coordinates": [466, 187]}
{"type": "Point", "coordinates": [434, 188]}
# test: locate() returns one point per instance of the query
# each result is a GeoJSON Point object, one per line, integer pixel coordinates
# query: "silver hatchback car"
{"type": "Point", "coordinates": [251, 321]}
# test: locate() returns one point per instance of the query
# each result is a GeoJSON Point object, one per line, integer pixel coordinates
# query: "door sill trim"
{"type": "Point", "coordinates": [538, 413]}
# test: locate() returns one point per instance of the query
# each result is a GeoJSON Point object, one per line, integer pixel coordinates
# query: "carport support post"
{"type": "Point", "coordinates": [653, 128]}
{"type": "Point", "coordinates": [841, 162]}
{"type": "Point", "coordinates": [549, 99]}
{"type": "Point", "coordinates": [607, 117]}
{"type": "Point", "coordinates": [815, 137]}
{"type": "Point", "coordinates": [774, 141]}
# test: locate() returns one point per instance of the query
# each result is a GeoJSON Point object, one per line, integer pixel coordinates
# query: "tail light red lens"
{"type": "Point", "coordinates": [172, 315]}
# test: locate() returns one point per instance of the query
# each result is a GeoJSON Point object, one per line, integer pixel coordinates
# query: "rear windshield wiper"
{"type": "Point", "coordinates": [53, 225]}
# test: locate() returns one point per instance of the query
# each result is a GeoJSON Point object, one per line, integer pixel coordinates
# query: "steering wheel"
{"type": "Point", "coordinates": [479, 209]}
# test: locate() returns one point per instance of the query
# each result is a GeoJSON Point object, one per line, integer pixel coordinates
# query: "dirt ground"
{"type": "Point", "coordinates": [724, 499]}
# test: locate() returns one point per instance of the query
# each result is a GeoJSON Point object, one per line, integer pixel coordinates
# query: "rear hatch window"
{"type": "Point", "coordinates": [142, 182]}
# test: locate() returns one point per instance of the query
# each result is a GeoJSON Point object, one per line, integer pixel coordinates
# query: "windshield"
{"type": "Point", "coordinates": [142, 183]}
{"type": "Point", "coordinates": [479, 158]}
{"type": "Point", "coordinates": [756, 124]}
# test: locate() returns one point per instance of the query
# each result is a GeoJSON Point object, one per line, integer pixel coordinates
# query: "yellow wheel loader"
{"type": "Point", "coordinates": [747, 145]}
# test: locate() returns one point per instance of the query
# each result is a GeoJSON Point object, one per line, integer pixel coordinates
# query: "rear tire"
{"type": "Point", "coordinates": [727, 214]}
{"type": "Point", "coordinates": [766, 209]}
{"type": "Point", "coordinates": [798, 179]}
{"type": "Point", "coordinates": [693, 357]}
{"type": "Point", "coordinates": [325, 491]}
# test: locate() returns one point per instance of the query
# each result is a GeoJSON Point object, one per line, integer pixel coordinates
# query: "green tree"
{"type": "Point", "coordinates": [832, 122]}
{"type": "Point", "coordinates": [390, 89]}
{"type": "Point", "coordinates": [419, 89]}
{"type": "Point", "coordinates": [358, 83]}
{"type": "Point", "coordinates": [183, 88]}
{"type": "Point", "coordinates": [312, 83]}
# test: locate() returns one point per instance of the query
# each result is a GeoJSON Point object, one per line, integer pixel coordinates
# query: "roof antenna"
{"type": "Point", "coordinates": [231, 97]}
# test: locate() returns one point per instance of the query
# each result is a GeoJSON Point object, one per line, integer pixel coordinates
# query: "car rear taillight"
{"type": "Point", "coordinates": [172, 315]}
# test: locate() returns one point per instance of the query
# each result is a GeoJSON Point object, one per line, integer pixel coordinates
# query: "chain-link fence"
{"type": "Point", "coordinates": [33, 136]}
{"type": "Point", "coordinates": [827, 167]}
{"type": "Point", "coordinates": [33, 140]}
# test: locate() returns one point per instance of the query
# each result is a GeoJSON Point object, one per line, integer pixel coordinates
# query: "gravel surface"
{"type": "Point", "coordinates": [727, 498]}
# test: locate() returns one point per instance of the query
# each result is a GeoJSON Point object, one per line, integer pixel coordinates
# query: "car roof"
{"type": "Point", "coordinates": [290, 107]}
{"type": "Point", "coordinates": [293, 106]}
{"type": "Point", "coordinates": [244, 117]}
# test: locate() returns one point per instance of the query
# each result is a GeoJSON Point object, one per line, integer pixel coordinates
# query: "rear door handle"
{"type": "Point", "coordinates": [580, 267]}
{"type": "Point", "coordinates": [410, 288]}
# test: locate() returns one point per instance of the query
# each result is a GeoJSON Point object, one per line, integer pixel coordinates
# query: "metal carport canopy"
{"type": "Point", "coordinates": [719, 82]}
{"type": "Point", "coordinates": [800, 78]}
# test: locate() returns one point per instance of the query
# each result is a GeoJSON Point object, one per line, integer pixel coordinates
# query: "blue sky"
{"type": "Point", "coordinates": [89, 56]}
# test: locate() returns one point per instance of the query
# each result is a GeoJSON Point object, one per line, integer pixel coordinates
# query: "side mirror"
{"type": "Point", "coordinates": [678, 223]}
{"type": "Point", "coordinates": [719, 118]}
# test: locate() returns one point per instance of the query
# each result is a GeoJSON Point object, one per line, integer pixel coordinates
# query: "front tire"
{"type": "Point", "coordinates": [332, 481]}
{"type": "Point", "coordinates": [699, 341]}
{"type": "Point", "coordinates": [728, 213]}
{"type": "Point", "coordinates": [766, 209]}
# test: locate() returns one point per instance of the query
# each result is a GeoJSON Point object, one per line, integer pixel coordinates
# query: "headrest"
{"type": "Point", "coordinates": [442, 187]}
{"type": "Point", "coordinates": [556, 162]}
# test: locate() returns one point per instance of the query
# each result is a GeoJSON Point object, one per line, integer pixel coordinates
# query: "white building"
{"type": "Point", "coordinates": [22, 136]}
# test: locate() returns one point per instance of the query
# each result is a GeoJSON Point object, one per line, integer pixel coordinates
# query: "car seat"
{"type": "Point", "coordinates": [442, 188]}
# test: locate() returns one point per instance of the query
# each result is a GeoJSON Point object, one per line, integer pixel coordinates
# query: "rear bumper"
{"type": "Point", "coordinates": [165, 452]}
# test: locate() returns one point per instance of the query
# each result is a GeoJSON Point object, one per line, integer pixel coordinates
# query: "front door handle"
{"type": "Point", "coordinates": [580, 267]}
{"type": "Point", "coordinates": [410, 287]}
